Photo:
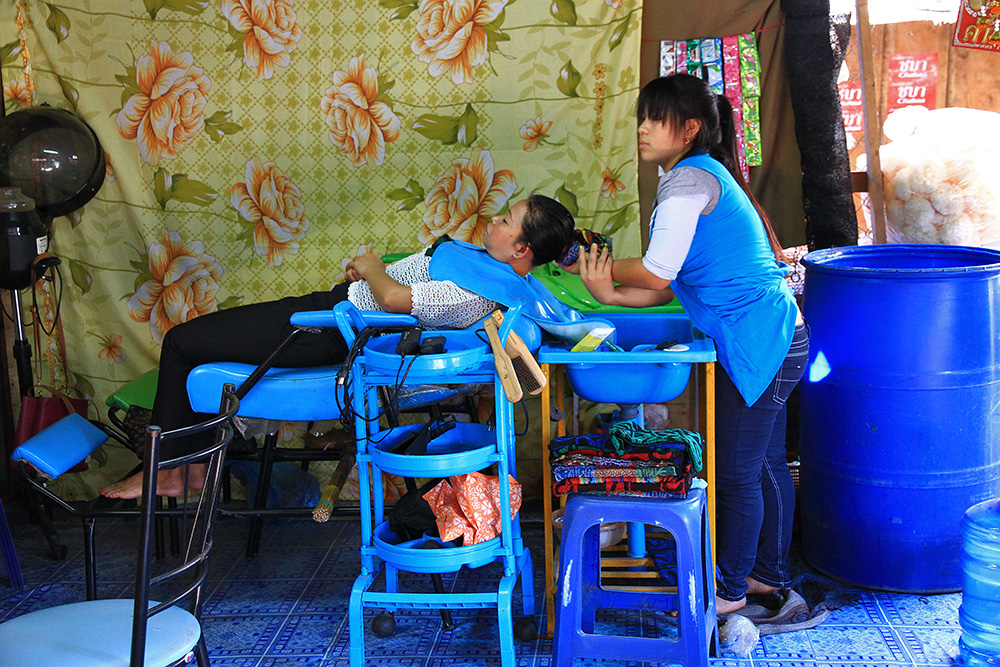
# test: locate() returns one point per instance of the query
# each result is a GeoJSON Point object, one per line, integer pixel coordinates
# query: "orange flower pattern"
{"type": "Point", "coordinates": [184, 284]}
{"type": "Point", "coordinates": [450, 36]}
{"type": "Point", "coordinates": [168, 110]}
{"type": "Point", "coordinates": [112, 350]}
{"type": "Point", "coordinates": [611, 186]}
{"type": "Point", "coordinates": [271, 30]}
{"type": "Point", "coordinates": [533, 131]}
{"type": "Point", "coordinates": [465, 198]}
{"type": "Point", "coordinates": [268, 199]}
{"type": "Point", "coordinates": [109, 171]}
{"type": "Point", "coordinates": [360, 124]}
{"type": "Point", "coordinates": [17, 90]}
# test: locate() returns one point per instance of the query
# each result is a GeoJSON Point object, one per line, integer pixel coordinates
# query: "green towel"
{"type": "Point", "coordinates": [626, 434]}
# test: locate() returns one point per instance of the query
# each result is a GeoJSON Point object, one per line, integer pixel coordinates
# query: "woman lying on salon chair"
{"type": "Point", "coordinates": [535, 231]}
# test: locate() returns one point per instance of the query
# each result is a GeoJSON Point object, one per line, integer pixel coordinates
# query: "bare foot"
{"type": "Point", "coordinates": [169, 483]}
{"type": "Point", "coordinates": [759, 588]}
{"type": "Point", "coordinates": [728, 606]}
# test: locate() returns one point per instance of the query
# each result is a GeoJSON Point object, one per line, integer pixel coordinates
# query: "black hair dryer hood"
{"type": "Point", "coordinates": [53, 157]}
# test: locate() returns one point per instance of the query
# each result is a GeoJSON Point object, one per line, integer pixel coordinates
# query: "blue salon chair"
{"type": "Point", "coordinates": [102, 633]}
{"type": "Point", "coordinates": [270, 392]}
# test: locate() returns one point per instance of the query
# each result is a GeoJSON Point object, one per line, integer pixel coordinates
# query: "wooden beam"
{"type": "Point", "coordinates": [873, 126]}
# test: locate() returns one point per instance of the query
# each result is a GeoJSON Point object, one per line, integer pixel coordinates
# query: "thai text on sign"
{"type": "Point", "coordinates": [978, 25]}
{"type": "Point", "coordinates": [912, 80]}
{"type": "Point", "coordinates": [851, 106]}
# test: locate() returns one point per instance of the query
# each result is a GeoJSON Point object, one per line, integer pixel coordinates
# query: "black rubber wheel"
{"type": "Point", "coordinates": [384, 625]}
{"type": "Point", "coordinates": [525, 629]}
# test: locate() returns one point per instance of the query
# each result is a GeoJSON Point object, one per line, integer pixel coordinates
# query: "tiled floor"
{"type": "Point", "coordinates": [288, 607]}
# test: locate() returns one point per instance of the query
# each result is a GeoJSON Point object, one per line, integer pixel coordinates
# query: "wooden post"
{"type": "Point", "coordinates": [873, 126]}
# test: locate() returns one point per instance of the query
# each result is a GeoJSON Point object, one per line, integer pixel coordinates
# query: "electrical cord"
{"type": "Point", "coordinates": [58, 281]}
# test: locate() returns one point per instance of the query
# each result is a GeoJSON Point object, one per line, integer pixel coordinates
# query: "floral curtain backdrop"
{"type": "Point", "coordinates": [254, 146]}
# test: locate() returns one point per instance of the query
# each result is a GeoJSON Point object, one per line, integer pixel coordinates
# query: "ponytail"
{"type": "Point", "coordinates": [727, 152]}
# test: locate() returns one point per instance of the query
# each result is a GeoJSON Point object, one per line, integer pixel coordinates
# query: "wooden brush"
{"type": "Point", "coordinates": [321, 513]}
{"type": "Point", "coordinates": [505, 368]}
{"type": "Point", "coordinates": [529, 373]}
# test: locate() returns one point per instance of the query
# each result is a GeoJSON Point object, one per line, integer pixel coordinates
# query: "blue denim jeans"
{"type": "Point", "coordinates": [755, 492]}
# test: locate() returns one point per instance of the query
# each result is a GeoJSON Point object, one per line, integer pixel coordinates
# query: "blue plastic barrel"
{"type": "Point", "coordinates": [900, 411]}
{"type": "Point", "coordinates": [979, 614]}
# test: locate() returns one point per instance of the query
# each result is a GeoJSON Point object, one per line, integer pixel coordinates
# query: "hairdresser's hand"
{"type": "Point", "coordinates": [363, 267]}
{"type": "Point", "coordinates": [595, 272]}
{"type": "Point", "coordinates": [574, 268]}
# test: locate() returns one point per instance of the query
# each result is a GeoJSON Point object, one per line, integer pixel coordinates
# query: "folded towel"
{"type": "Point", "coordinates": [665, 487]}
{"type": "Point", "coordinates": [627, 435]}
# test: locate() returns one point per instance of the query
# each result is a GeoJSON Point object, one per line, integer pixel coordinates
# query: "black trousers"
{"type": "Point", "coordinates": [246, 334]}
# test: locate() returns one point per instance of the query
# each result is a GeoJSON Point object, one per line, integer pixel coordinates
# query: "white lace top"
{"type": "Point", "coordinates": [437, 304]}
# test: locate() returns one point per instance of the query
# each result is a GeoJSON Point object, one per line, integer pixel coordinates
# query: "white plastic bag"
{"type": "Point", "coordinates": [940, 176]}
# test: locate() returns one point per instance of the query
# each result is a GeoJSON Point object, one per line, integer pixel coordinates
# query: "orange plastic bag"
{"type": "Point", "coordinates": [468, 506]}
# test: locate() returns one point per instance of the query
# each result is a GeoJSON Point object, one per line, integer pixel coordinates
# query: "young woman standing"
{"type": "Point", "coordinates": [712, 246]}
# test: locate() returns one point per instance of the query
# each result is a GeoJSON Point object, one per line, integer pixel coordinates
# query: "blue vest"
{"type": "Point", "coordinates": [733, 289]}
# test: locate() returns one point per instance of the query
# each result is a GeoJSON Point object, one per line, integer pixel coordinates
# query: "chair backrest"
{"type": "Point", "coordinates": [183, 582]}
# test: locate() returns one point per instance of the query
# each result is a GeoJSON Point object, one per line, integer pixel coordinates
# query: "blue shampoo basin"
{"type": "Point", "coordinates": [640, 373]}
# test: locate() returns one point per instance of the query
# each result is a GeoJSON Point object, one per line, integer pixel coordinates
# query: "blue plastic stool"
{"type": "Point", "coordinates": [580, 594]}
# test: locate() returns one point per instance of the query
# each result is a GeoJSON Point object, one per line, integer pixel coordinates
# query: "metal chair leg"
{"type": "Point", "coordinates": [175, 529]}
{"type": "Point", "coordinates": [9, 555]}
{"type": "Point", "coordinates": [260, 495]}
{"type": "Point", "coordinates": [40, 512]}
{"type": "Point", "coordinates": [89, 558]}
{"type": "Point", "coordinates": [201, 652]}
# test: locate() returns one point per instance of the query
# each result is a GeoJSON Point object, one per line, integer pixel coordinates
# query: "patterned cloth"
{"type": "Point", "coordinates": [672, 487]}
{"type": "Point", "coordinates": [468, 506]}
{"type": "Point", "coordinates": [629, 460]}
{"type": "Point", "coordinates": [583, 238]}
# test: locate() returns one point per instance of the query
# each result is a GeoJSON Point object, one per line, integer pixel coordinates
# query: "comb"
{"type": "Point", "coordinates": [529, 373]}
{"type": "Point", "coordinates": [505, 368]}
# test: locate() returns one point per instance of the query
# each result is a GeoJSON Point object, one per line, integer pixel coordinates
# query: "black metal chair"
{"type": "Point", "coordinates": [114, 632]}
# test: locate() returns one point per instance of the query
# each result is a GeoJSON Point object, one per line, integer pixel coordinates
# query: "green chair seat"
{"type": "Point", "coordinates": [139, 391]}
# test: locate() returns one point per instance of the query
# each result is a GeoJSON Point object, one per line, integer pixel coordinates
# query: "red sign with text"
{"type": "Point", "coordinates": [978, 25]}
{"type": "Point", "coordinates": [912, 80]}
{"type": "Point", "coordinates": [851, 106]}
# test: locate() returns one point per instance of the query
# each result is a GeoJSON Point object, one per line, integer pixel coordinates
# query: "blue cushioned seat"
{"type": "Point", "coordinates": [95, 634]}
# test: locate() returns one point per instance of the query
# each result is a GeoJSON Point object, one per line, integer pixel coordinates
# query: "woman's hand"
{"type": "Point", "coordinates": [574, 268]}
{"type": "Point", "coordinates": [595, 272]}
{"type": "Point", "coordinates": [364, 266]}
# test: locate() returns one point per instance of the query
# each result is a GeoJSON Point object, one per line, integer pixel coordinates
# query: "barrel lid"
{"type": "Point", "coordinates": [904, 259]}
{"type": "Point", "coordinates": [985, 515]}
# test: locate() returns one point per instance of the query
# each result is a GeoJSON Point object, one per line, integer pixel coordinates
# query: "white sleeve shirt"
{"type": "Point", "coordinates": [684, 194]}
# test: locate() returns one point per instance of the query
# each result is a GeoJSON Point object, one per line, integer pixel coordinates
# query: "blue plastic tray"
{"type": "Point", "coordinates": [413, 555]}
{"type": "Point", "coordinates": [464, 353]}
{"type": "Point", "coordinates": [465, 448]}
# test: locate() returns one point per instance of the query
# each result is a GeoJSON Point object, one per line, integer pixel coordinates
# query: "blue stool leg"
{"type": "Point", "coordinates": [580, 593]}
{"type": "Point", "coordinates": [355, 620]}
{"type": "Point", "coordinates": [505, 622]}
{"type": "Point", "coordinates": [527, 584]}
{"type": "Point", "coordinates": [9, 556]}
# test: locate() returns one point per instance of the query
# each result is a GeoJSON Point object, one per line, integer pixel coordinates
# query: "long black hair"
{"type": "Point", "coordinates": [547, 228]}
{"type": "Point", "coordinates": [676, 98]}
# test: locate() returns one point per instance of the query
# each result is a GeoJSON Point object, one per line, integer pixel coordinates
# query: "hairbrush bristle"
{"type": "Point", "coordinates": [529, 382]}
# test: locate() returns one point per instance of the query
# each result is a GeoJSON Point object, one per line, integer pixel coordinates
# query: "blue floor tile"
{"type": "Point", "coordinates": [288, 606]}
